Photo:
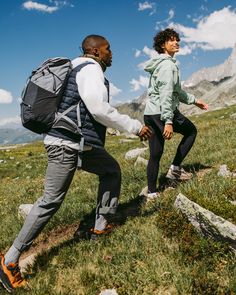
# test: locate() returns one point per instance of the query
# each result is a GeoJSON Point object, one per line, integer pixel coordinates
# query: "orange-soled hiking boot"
{"type": "Point", "coordinates": [10, 276]}
{"type": "Point", "coordinates": [95, 234]}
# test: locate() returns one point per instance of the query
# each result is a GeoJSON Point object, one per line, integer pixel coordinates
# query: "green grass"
{"type": "Point", "coordinates": [156, 250]}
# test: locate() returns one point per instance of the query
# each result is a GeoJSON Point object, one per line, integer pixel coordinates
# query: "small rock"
{"type": "Point", "coordinates": [135, 153]}
{"type": "Point", "coordinates": [224, 171]}
{"type": "Point", "coordinates": [130, 136]}
{"type": "Point", "coordinates": [112, 131]}
{"type": "Point", "coordinates": [140, 160]}
{"type": "Point", "coordinates": [109, 292]}
{"type": "Point", "coordinates": [24, 210]}
{"type": "Point", "coordinates": [233, 203]}
{"type": "Point", "coordinates": [124, 140]}
{"type": "Point", "coordinates": [233, 116]}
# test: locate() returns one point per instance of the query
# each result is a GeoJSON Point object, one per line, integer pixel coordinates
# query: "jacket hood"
{"type": "Point", "coordinates": [154, 62]}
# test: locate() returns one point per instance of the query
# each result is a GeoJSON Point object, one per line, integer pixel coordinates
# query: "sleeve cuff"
{"type": "Point", "coordinates": [168, 122]}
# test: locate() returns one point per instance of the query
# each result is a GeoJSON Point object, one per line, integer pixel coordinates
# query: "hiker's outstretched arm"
{"type": "Point", "coordinates": [94, 94]}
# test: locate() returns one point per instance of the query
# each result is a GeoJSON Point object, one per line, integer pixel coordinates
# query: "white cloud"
{"type": "Point", "coordinates": [203, 8]}
{"type": "Point", "coordinates": [147, 5]}
{"type": "Point", "coordinates": [171, 14]}
{"type": "Point", "coordinates": [114, 90]}
{"type": "Point", "coordinates": [137, 53]}
{"type": "Point", "coordinates": [146, 51]}
{"type": "Point", "coordinates": [5, 96]}
{"type": "Point", "coordinates": [138, 84]}
{"type": "Point", "coordinates": [186, 49]}
{"type": "Point", "coordinates": [55, 5]}
{"type": "Point", "coordinates": [151, 53]}
{"type": "Point", "coordinates": [11, 120]}
{"type": "Point", "coordinates": [30, 5]}
{"type": "Point", "coordinates": [212, 32]}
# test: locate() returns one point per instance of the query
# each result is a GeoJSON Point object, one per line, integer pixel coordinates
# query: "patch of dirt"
{"type": "Point", "coordinates": [51, 239]}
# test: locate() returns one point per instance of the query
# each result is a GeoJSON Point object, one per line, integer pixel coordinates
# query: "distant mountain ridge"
{"type": "Point", "coordinates": [17, 135]}
{"type": "Point", "coordinates": [216, 73]}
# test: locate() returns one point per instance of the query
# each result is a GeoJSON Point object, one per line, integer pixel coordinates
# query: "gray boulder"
{"type": "Point", "coordinates": [206, 222]}
{"type": "Point", "coordinates": [24, 210]}
{"type": "Point", "coordinates": [132, 154]}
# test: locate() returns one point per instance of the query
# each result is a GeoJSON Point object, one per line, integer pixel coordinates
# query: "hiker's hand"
{"type": "Point", "coordinates": [201, 104]}
{"type": "Point", "coordinates": [145, 133]}
{"type": "Point", "coordinates": [168, 131]}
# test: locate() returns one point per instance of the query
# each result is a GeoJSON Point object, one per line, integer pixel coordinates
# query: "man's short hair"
{"type": "Point", "coordinates": [90, 42]}
{"type": "Point", "coordinates": [163, 36]}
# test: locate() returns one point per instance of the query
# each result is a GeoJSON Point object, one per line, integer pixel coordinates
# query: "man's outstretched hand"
{"type": "Point", "coordinates": [145, 133]}
{"type": "Point", "coordinates": [201, 104]}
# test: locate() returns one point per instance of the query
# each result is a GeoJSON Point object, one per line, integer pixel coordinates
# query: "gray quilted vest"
{"type": "Point", "coordinates": [94, 133]}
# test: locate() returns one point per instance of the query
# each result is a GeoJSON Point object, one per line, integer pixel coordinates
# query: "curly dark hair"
{"type": "Point", "coordinates": [163, 36]}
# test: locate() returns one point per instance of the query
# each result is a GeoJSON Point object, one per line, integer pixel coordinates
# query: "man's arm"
{"type": "Point", "coordinates": [90, 81]}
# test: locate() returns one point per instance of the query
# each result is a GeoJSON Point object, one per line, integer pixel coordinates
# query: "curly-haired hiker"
{"type": "Point", "coordinates": [161, 112]}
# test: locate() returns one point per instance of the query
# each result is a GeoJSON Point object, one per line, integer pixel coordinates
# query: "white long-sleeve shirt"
{"type": "Point", "coordinates": [90, 80]}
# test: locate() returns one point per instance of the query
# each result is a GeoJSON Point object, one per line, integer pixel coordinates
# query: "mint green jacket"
{"type": "Point", "coordinates": [164, 90]}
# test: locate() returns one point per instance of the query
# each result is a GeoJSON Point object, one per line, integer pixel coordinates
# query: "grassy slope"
{"type": "Point", "coordinates": [155, 251]}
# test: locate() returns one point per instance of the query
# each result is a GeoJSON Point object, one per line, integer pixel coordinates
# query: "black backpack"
{"type": "Point", "coordinates": [42, 95]}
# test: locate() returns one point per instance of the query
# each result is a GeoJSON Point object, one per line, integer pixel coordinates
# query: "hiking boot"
{"type": "Point", "coordinates": [179, 174]}
{"type": "Point", "coordinates": [95, 234]}
{"type": "Point", "coordinates": [10, 276]}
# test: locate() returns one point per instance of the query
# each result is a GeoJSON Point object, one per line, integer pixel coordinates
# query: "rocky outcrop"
{"type": "Point", "coordinates": [206, 222]}
{"type": "Point", "coordinates": [216, 73]}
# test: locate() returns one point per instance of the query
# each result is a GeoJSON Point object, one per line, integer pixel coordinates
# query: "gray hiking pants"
{"type": "Point", "coordinates": [62, 164]}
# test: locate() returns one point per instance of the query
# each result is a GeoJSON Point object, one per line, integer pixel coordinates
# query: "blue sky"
{"type": "Point", "coordinates": [32, 31]}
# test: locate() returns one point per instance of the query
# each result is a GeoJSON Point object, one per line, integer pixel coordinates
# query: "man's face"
{"type": "Point", "coordinates": [105, 53]}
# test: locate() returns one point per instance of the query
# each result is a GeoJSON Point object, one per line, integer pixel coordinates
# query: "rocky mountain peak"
{"type": "Point", "coordinates": [216, 73]}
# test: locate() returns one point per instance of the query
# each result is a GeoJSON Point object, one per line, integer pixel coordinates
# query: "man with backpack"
{"type": "Point", "coordinates": [88, 88]}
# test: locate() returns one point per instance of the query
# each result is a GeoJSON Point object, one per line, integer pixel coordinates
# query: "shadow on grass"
{"type": "Point", "coordinates": [132, 208]}
{"type": "Point", "coordinates": [125, 211]}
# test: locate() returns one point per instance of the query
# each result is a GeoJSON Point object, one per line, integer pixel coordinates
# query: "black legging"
{"type": "Point", "coordinates": [181, 125]}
